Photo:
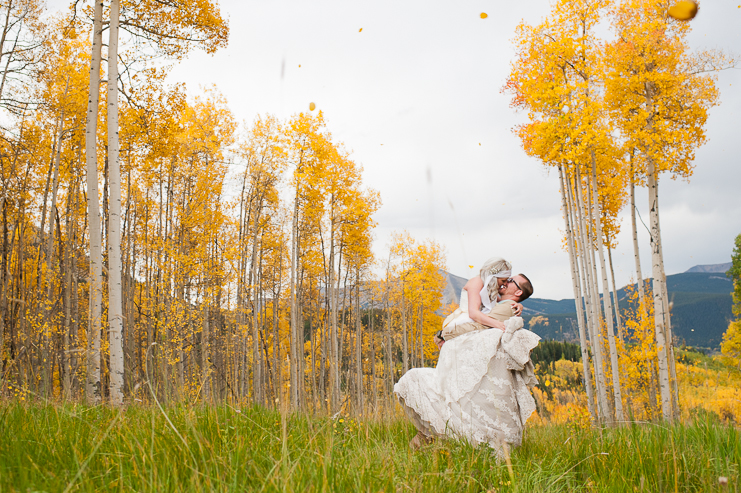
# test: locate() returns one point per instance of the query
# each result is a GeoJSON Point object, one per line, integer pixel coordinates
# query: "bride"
{"type": "Point", "coordinates": [480, 389]}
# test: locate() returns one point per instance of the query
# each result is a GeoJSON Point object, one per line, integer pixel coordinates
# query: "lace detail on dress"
{"type": "Point", "coordinates": [480, 389]}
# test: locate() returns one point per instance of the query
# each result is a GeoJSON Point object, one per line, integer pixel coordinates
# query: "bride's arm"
{"type": "Point", "coordinates": [473, 288]}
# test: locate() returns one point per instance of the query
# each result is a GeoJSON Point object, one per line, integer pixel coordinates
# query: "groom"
{"type": "Point", "coordinates": [511, 292]}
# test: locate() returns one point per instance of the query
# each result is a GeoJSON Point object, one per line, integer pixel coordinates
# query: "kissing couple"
{"type": "Point", "coordinates": [480, 389]}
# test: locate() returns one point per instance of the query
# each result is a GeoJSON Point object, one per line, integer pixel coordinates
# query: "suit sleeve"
{"type": "Point", "coordinates": [454, 330]}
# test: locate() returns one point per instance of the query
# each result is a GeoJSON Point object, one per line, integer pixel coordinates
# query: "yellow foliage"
{"type": "Point", "coordinates": [731, 345]}
{"type": "Point", "coordinates": [683, 10]}
{"type": "Point", "coordinates": [658, 94]}
{"type": "Point", "coordinates": [538, 320]}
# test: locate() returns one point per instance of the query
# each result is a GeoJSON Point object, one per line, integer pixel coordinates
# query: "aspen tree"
{"type": "Point", "coordinates": [658, 294]}
{"type": "Point", "coordinates": [358, 347]}
{"type": "Point", "coordinates": [590, 270]}
{"type": "Point", "coordinates": [606, 299]}
{"type": "Point", "coordinates": [636, 253]}
{"type": "Point", "coordinates": [615, 299]}
{"type": "Point", "coordinates": [659, 97]}
{"type": "Point", "coordinates": [389, 353]}
{"type": "Point", "coordinates": [566, 208]}
{"type": "Point", "coordinates": [115, 303]}
{"type": "Point", "coordinates": [92, 389]}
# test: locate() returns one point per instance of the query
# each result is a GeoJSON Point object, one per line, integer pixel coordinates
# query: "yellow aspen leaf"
{"type": "Point", "coordinates": [360, 30]}
{"type": "Point", "coordinates": [484, 15]}
{"type": "Point", "coordinates": [312, 106]}
{"type": "Point", "coordinates": [684, 10]}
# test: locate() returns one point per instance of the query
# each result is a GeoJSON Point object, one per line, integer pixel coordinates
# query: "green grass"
{"type": "Point", "coordinates": [69, 447]}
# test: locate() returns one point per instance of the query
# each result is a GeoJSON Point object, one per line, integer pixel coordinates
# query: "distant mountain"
{"type": "Point", "coordinates": [453, 287]}
{"type": "Point", "coordinates": [720, 268]}
{"type": "Point", "coordinates": [701, 309]}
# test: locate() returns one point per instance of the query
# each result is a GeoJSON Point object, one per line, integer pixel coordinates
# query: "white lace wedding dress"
{"type": "Point", "coordinates": [480, 389]}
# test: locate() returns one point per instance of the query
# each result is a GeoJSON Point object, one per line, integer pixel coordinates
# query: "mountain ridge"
{"type": "Point", "coordinates": [700, 298]}
{"type": "Point", "coordinates": [711, 268]}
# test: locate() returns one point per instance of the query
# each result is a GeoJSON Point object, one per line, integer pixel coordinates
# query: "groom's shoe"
{"type": "Point", "coordinates": [420, 440]}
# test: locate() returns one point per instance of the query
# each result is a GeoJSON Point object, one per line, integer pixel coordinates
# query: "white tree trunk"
{"type": "Point", "coordinates": [294, 308]}
{"type": "Point", "coordinates": [92, 388]}
{"type": "Point", "coordinates": [592, 236]}
{"type": "Point", "coordinates": [388, 353]}
{"type": "Point", "coordinates": [589, 283]}
{"type": "Point", "coordinates": [404, 334]}
{"type": "Point", "coordinates": [358, 345]}
{"type": "Point", "coordinates": [115, 303]}
{"type": "Point", "coordinates": [661, 342]}
{"type": "Point", "coordinates": [205, 349]}
{"type": "Point", "coordinates": [615, 299]}
{"type": "Point", "coordinates": [334, 358]}
{"type": "Point", "coordinates": [257, 367]}
{"type": "Point", "coordinates": [669, 335]}
{"type": "Point", "coordinates": [606, 299]}
{"type": "Point", "coordinates": [636, 255]}
{"type": "Point", "coordinates": [577, 293]}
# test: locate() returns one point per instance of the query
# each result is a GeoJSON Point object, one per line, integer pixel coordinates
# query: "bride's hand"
{"type": "Point", "coordinates": [517, 308]}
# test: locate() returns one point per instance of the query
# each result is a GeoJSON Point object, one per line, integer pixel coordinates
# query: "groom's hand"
{"type": "Point", "coordinates": [517, 307]}
{"type": "Point", "coordinates": [439, 341]}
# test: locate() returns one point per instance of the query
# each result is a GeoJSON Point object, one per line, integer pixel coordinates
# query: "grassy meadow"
{"type": "Point", "coordinates": [68, 447]}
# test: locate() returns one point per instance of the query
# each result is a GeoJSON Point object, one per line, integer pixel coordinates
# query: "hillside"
{"type": "Point", "coordinates": [701, 307]}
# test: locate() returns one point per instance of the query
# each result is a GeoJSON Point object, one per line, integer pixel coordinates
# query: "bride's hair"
{"type": "Point", "coordinates": [497, 267]}
{"type": "Point", "coordinates": [494, 266]}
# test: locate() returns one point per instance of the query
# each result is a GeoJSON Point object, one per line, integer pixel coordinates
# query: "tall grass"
{"type": "Point", "coordinates": [183, 448]}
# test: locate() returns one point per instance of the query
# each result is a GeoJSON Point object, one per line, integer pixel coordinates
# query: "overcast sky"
{"type": "Point", "coordinates": [416, 96]}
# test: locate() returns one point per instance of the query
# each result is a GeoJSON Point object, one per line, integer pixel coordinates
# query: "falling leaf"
{"type": "Point", "coordinates": [479, 143]}
{"type": "Point", "coordinates": [684, 10]}
{"type": "Point", "coordinates": [470, 266]}
{"type": "Point", "coordinates": [299, 65]}
{"type": "Point", "coordinates": [312, 106]}
{"type": "Point", "coordinates": [360, 30]}
{"type": "Point", "coordinates": [484, 15]}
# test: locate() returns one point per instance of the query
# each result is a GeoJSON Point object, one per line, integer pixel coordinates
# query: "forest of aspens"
{"type": "Point", "coordinates": [192, 302]}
